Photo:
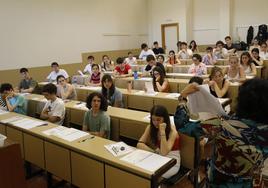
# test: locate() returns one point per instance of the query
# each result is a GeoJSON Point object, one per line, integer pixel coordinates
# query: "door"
{"type": "Point", "coordinates": [170, 35]}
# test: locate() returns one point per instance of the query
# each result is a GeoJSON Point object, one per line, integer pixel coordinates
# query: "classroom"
{"type": "Point", "coordinates": [133, 94]}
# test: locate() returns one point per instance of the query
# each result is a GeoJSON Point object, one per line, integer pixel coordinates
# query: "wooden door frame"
{"type": "Point", "coordinates": [163, 26]}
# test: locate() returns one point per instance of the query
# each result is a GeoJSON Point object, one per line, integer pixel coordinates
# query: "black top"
{"type": "Point", "coordinates": [214, 92]}
{"type": "Point", "coordinates": [255, 63]}
{"type": "Point", "coordinates": [158, 51]}
{"type": "Point", "coordinates": [229, 48]}
{"type": "Point", "coordinates": [149, 67]}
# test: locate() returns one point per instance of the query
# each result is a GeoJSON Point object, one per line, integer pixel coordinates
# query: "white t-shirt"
{"type": "Point", "coordinates": [144, 54]}
{"type": "Point", "coordinates": [220, 54]}
{"type": "Point", "coordinates": [53, 75]}
{"type": "Point", "coordinates": [56, 108]}
{"type": "Point", "coordinates": [87, 69]}
{"type": "Point", "coordinates": [130, 61]}
{"type": "Point", "coordinates": [263, 55]}
{"type": "Point", "coordinates": [185, 55]}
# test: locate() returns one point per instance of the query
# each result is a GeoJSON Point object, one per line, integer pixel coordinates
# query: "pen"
{"type": "Point", "coordinates": [86, 139]}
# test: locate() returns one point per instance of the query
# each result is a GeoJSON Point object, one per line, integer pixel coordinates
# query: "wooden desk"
{"type": "Point", "coordinates": [82, 163]}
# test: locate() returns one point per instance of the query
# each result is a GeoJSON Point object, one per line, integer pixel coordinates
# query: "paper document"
{"type": "Point", "coordinates": [173, 95]}
{"type": "Point", "coordinates": [146, 93]}
{"type": "Point", "coordinates": [10, 120]}
{"type": "Point", "coordinates": [203, 101]}
{"type": "Point", "coordinates": [145, 78]}
{"type": "Point", "coordinates": [146, 160]}
{"type": "Point", "coordinates": [81, 105]}
{"type": "Point", "coordinates": [65, 133]}
{"type": "Point", "coordinates": [118, 149]}
{"type": "Point", "coordinates": [149, 87]}
{"type": "Point", "coordinates": [27, 123]}
{"type": "Point", "coordinates": [148, 118]}
{"type": "Point", "coordinates": [2, 111]}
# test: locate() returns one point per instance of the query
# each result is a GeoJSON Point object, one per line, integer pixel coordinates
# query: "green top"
{"type": "Point", "coordinates": [20, 103]}
{"type": "Point", "coordinates": [99, 123]}
{"type": "Point", "coordinates": [26, 84]}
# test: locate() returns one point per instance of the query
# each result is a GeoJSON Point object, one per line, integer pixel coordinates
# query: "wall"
{"type": "Point", "coordinates": [35, 33]}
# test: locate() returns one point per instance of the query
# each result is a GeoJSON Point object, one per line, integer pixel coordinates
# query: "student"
{"type": "Point", "coordinates": [242, 140]}
{"type": "Point", "coordinates": [161, 60]}
{"type": "Point", "coordinates": [54, 110]}
{"type": "Point", "coordinates": [131, 60]}
{"type": "Point", "coordinates": [3, 105]}
{"type": "Point", "coordinates": [193, 46]}
{"type": "Point", "coordinates": [122, 69]}
{"type": "Point", "coordinates": [145, 51]}
{"type": "Point", "coordinates": [90, 61]}
{"type": "Point", "coordinates": [56, 71]}
{"type": "Point", "coordinates": [209, 58]}
{"type": "Point", "coordinates": [96, 120]}
{"type": "Point", "coordinates": [172, 59]}
{"type": "Point", "coordinates": [220, 52]}
{"type": "Point", "coordinates": [247, 64]}
{"type": "Point", "coordinates": [112, 94]}
{"type": "Point", "coordinates": [107, 64]}
{"type": "Point", "coordinates": [256, 59]}
{"type": "Point", "coordinates": [218, 85]}
{"type": "Point", "coordinates": [95, 77]}
{"type": "Point", "coordinates": [161, 137]}
{"type": "Point", "coordinates": [196, 79]}
{"type": "Point", "coordinates": [151, 63]}
{"type": "Point", "coordinates": [234, 72]}
{"type": "Point", "coordinates": [179, 45]}
{"type": "Point", "coordinates": [184, 53]}
{"type": "Point", "coordinates": [157, 50]}
{"type": "Point", "coordinates": [27, 84]}
{"type": "Point", "coordinates": [197, 67]}
{"type": "Point", "coordinates": [264, 51]}
{"type": "Point", "coordinates": [229, 45]}
{"type": "Point", "coordinates": [13, 101]}
{"type": "Point", "coordinates": [160, 82]}
{"type": "Point", "coordinates": [65, 90]}
{"type": "Point", "coordinates": [255, 44]}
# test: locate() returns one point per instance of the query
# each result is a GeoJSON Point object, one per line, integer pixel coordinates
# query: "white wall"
{"type": "Point", "coordinates": [35, 33]}
{"type": "Point", "coordinates": [247, 13]}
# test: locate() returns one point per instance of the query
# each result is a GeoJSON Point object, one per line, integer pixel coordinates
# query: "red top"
{"type": "Point", "coordinates": [124, 71]}
{"type": "Point", "coordinates": [176, 145]}
{"type": "Point", "coordinates": [95, 79]}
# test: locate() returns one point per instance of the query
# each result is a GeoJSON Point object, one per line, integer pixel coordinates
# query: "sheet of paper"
{"type": "Point", "coordinates": [146, 93]}
{"type": "Point", "coordinates": [27, 123]}
{"type": "Point", "coordinates": [2, 111]}
{"type": "Point", "coordinates": [203, 101]}
{"type": "Point", "coordinates": [118, 149]}
{"type": "Point", "coordinates": [147, 118]}
{"type": "Point", "coordinates": [149, 86]}
{"type": "Point", "coordinates": [81, 105]}
{"type": "Point", "coordinates": [65, 133]}
{"type": "Point", "coordinates": [173, 95]}
{"type": "Point", "coordinates": [145, 79]}
{"type": "Point", "coordinates": [145, 160]}
{"type": "Point", "coordinates": [10, 120]}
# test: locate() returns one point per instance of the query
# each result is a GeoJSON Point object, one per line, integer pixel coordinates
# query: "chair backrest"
{"type": "Point", "coordinates": [11, 165]}
{"type": "Point", "coordinates": [187, 151]}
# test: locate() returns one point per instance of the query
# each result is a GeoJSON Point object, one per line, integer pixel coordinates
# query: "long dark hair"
{"type": "Point", "coordinates": [103, 106]}
{"type": "Point", "coordinates": [194, 47]}
{"type": "Point", "coordinates": [104, 91]}
{"type": "Point", "coordinates": [162, 77]}
{"type": "Point", "coordinates": [161, 111]}
{"type": "Point", "coordinates": [249, 59]}
{"type": "Point", "coordinates": [174, 58]}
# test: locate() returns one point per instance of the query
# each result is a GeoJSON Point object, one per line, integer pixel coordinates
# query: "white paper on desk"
{"type": "Point", "coordinates": [148, 118]}
{"type": "Point", "coordinates": [203, 101]}
{"type": "Point", "coordinates": [24, 94]}
{"type": "Point", "coordinates": [10, 120]}
{"type": "Point", "coordinates": [145, 79]}
{"type": "Point", "coordinates": [81, 106]}
{"type": "Point", "coordinates": [146, 93]}
{"type": "Point", "coordinates": [118, 149]}
{"type": "Point", "coordinates": [173, 95]}
{"type": "Point", "coordinates": [146, 160]}
{"type": "Point", "coordinates": [149, 86]}
{"type": "Point", "coordinates": [68, 134]}
{"type": "Point", "coordinates": [27, 123]}
{"type": "Point", "coordinates": [2, 111]}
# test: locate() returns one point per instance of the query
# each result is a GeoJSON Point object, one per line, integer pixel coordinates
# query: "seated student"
{"type": "Point", "coordinates": [197, 67]}
{"type": "Point", "coordinates": [234, 72]}
{"type": "Point", "coordinates": [113, 95]}
{"type": "Point", "coordinates": [54, 110]}
{"type": "Point", "coordinates": [193, 46]}
{"type": "Point", "coordinates": [90, 61]}
{"type": "Point", "coordinates": [264, 51]}
{"type": "Point", "coordinates": [131, 60]}
{"type": "Point", "coordinates": [107, 64]}
{"type": "Point", "coordinates": [145, 51]}
{"type": "Point", "coordinates": [247, 64]}
{"type": "Point", "coordinates": [220, 52]}
{"type": "Point", "coordinates": [161, 59]}
{"type": "Point", "coordinates": [157, 50]}
{"type": "Point", "coordinates": [255, 44]}
{"type": "Point", "coordinates": [95, 77]}
{"type": "Point", "coordinates": [56, 71]}
{"type": "Point", "coordinates": [96, 120]}
{"type": "Point", "coordinates": [151, 63]}
{"type": "Point", "coordinates": [240, 143]}
{"type": "Point", "coordinates": [3, 105]}
{"type": "Point", "coordinates": [229, 45]}
{"type": "Point", "coordinates": [209, 58]}
{"type": "Point", "coordinates": [218, 85]}
{"type": "Point", "coordinates": [184, 52]}
{"type": "Point", "coordinates": [122, 69]}
{"type": "Point", "coordinates": [256, 59]}
{"type": "Point", "coordinates": [65, 90]}
{"type": "Point", "coordinates": [161, 137]}
{"type": "Point", "coordinates": [172, 59]}
{"type": "Point", "coordinates": [196, 79]}
{"type": "Point", "coordinates": [160, 82]}
{"type": "Point", "coordinates": [14, 101]}
{"type": "Point", "coordinates": [27, 84]}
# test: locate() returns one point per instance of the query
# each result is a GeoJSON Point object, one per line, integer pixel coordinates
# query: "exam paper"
{"type": "Point", "coordinates": [27, 123]}
{"type": "Point", "coordinates": [145, 160]}
{"type": "Point", "coordinates": [173, 95]}
{"type": "Point", "coordinates": [3, 112]}
{"type": "Point", "coordinates": [118, 149]}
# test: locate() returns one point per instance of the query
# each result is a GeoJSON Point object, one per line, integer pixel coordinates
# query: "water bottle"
{"type": "Point", "coordinates": [136, 76]}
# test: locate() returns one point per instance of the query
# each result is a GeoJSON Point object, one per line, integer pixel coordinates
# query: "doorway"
{"type": "Point", "coordinates": [170, 36]}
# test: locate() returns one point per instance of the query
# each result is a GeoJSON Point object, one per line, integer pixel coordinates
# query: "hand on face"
{"type": "Point", "coordinates": [162, 127]}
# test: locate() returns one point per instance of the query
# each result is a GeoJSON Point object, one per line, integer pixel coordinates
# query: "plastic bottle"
{"type": "Point", "coordinates": [136, 76]}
